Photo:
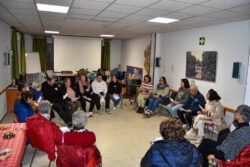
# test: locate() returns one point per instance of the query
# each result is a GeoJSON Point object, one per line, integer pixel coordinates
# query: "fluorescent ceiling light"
{"type": "Point", "coordinates": [52, 8]}
{"type": "Point", "coordinates": [106, 35]}
{"type": "Point", "coordinates": [51, 32]}
{"type": "Point", "coordinates": [162, 20]}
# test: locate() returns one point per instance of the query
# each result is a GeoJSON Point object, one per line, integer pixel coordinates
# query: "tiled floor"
{"type": "Point", "coordinates": [123, 138]}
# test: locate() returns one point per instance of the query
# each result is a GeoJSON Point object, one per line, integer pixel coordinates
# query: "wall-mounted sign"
{"type": "Point", "coordinates": [202, 41]}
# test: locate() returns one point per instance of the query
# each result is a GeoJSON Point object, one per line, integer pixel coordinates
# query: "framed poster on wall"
{"type": "Point", "coordinates": [133, 74]}
{"type": "Point", "coordinates": [201, 65]}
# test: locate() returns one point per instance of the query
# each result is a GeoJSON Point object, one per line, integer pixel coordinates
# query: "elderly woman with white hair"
{"type": "Point", "coordinates": [44, 134]}
{"type": "Point", "coordinates": [78, 134]}
{"type": "Point", "coordinates": [79, 121]}
{"type": "Point", "coordinates": [236, 140]}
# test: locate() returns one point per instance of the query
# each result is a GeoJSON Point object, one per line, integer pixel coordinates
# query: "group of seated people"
{"type": "Point", "coordinates": [190, 111]}
{"type": "Point", "coordinates": [66, 99]}
{"type": "Point", "coordinates": [48, 137]}
{"type": "Point", "coordinates": [173, 149]}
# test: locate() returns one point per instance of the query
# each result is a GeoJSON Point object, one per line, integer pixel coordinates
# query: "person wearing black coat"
{"type": "Point", "coordinates": [52, 94]}
{"type": "Point", "coordinates": [114, 93]}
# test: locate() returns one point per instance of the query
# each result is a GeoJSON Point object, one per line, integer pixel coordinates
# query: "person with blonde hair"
{"type": "Point", "coordinates": [36, 90]}
{"type": "Point", "coordinates": [173, 150]}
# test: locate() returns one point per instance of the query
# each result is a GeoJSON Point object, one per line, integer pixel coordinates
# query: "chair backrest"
{"type": "Point", "coordinates": [229, 117]}
{"type": "Point", "coordinates": [73, 155]}
{"type": "Point", "coordinates": [40, 138]}
{"type": "Point", "coordinates": [79, 138]}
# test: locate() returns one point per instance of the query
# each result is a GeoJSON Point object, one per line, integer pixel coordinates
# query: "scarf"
{"type": "Point", "coordinates": [161, 87]}
{"type": "Point", "coordinates": [83, 85]}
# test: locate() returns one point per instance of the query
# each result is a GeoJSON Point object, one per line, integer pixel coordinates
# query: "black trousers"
{"type": "Point", "coordinates": [95, 100]}
{"type": "Point", "coordinates": [63, 111]}
{"type": "Point", "coordinates": [223, 135]}
{"type": "Point", "coordinates": [83, 103]}
{"type": "Point", "coordinates": [208, 147]}
{"type": "Point", "coordinates": [186, 117]}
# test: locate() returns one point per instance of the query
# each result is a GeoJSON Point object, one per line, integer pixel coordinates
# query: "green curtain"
{"type": "Point", "coordinates": [40, 45]}
{"type": "Point", "coordinates": [23, 62]}
{"type": "Point", "coordinates": [15, 63]}
{"type": "Point", "coordinates": [106, 54]}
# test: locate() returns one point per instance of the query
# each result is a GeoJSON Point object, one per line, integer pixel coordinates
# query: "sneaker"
{"type": "Point", "coordinates": [107, 111]}
{"type": "Point", "coordinates": [99, 112]}
{"type": "Point", "coordinates": [114, 108]}
{"type": "Point", "coordinates": [90, 114]}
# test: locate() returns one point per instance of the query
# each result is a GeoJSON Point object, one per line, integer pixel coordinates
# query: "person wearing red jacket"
{"type": "Point", "coordinates": [42, 133]}
{"type": "Point", "coordinates": [79, 145]}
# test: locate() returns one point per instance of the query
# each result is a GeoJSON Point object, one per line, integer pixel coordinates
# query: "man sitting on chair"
{"type": "Point", "coordinates": [190, 108]}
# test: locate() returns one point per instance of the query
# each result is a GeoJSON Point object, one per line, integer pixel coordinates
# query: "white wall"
{"type": "Point", "coordinates": [133, 52]}
{"type": "Point", "coordinates": [5, 71]}
{"type": "Point", "coordinates": [247, 92]}
{"type": "Point", "coordinates": [230, 40]}
{"type": "Point", "coordinates": [115, 53]}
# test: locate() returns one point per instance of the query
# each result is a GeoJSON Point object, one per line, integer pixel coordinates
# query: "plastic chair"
{"type": "Point", "coordinates": [78, 150]}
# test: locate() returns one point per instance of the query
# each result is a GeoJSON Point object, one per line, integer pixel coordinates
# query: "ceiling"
{"type": "Point", "coordinates": [123, 18]}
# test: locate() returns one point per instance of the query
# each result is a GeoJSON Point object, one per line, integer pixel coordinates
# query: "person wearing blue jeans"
{"type": "Point", "coordinates": [154, 102]}
{"type": "Point", "coordinates": [161, 93]}
{"type": "Point", "coordinates": [181, 97]}
{"type": "Point", "coordinates": [114, 91]}
{"type": "Point", "coordinates": [173, 108]}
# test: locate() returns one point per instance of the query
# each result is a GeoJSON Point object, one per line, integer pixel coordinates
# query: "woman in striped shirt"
{"type": "Point", "coordinates": [145, 92]}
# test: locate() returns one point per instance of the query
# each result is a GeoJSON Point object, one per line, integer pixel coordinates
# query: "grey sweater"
{"type": "Point", "coordinates": [182, 95]}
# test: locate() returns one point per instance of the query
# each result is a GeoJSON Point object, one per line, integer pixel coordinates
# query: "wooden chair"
{"type": "Point", "coordinates": [210, 125]}
{"type": "Point", "coordinates": [123, 95]}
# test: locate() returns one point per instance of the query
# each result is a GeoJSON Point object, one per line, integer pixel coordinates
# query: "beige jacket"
{"type": "Point", "coordinates": [216, 113]}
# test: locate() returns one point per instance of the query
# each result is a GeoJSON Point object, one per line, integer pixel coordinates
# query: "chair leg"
{"type": "Point", "coordinates": [33, 156]}
{"type": "Point", "coordinates": [212, 132]}
{"type": "Point", "coordinates": [49, 163]}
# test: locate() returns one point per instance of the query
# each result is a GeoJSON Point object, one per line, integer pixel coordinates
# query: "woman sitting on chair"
{"type": "Point", "coordinates": [69, 96]}
{"type": "Point", "coordinates": [36, 90]}
{"type": "Point", "coordinates": [79, 145]}
{"type": "Point", "coordinates": [114, 93]}
{"type": "Point", "coordinates": [161, 93]}
{"type": "Point", "coordinates": [83, 90]}
{"type": "Point", "coordinates": [145, 92]}
{"type": "Point", "coordinates": [172, 149]}
{"type": "Point", "coordinates": [181, 97]}
{"type": "Point", "coordinates": [23, 109]}
{"type": "Point", "coordinates": [213, 113]}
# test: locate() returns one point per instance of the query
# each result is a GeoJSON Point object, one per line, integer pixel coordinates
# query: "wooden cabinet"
{"type": "Point", "coordinates": [12, 96]}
